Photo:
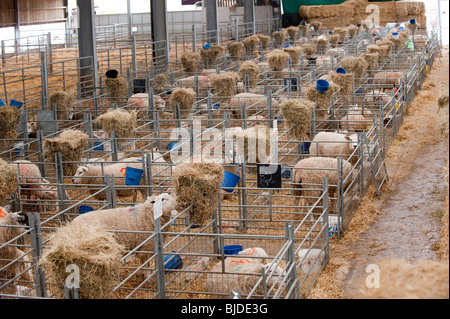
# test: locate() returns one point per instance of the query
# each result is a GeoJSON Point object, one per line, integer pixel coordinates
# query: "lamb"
{"type": "Point", "coordinates": [204, 83]}
{"type": "Point", "coordinates": [8, 232]}
{"type": "Point", "coordinates": [334, 145]}
{"type": "Point", "coordinates": [313, 170]}
{"type": "Point", "coordinates": [193, 268]}
{"type": "Point", "coordinates": [357, 120]}
{"type": "Point", "coordinates": [311, 260]}
{"type": "Point", "coordinates": [243, 278]}
{"type": "Point", "coordinates": [254, 104]}
{"type": "Point", "coordinates": [376, 97]}
{"type": "Point", "coordinates": [137, 218]}
{"type": "Point", "coordinates": [256, 254]}
{"type": "Point", "coordinates": [139, 102]}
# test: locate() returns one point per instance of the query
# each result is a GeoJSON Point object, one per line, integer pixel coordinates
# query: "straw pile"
{"type": "Point", "coordinates": [345, 81]}
{"type": "Point", "coordinates": [198, 184]}
{"type": "Point", "coordinates": [371, 59]}
{"type": "Point", "coordinates": [251, 44]}
{"type": "Point", "coordinates": [384, 42]}
{"type": "Point", "coordinates": [120, 121]}
{"type": "Point", "coordinates": [340, 32]}
{"type": "Point", "coordinates": [381, 50]}
{"type": "Point", "coordinates": [321, 44]}
{"type": "Point", "coordinates": [224, 85]}
{"type": "Point", "coordinates": [250, 69]}
{"type": "Point", "coordinates": [117, 89]}
{"type": "Point", "coordinates": [8, 181]}
{"type": "Point", "coordinates": [333, 40]}
{"type": "Point", "coordinates": [209, 56]}
{"type": "Point", "coordinates": [297, 113]}
{"type": "Point", "coordinates": [279, 38]}
{"type": "Point", "coordinates": [294, 54]}
{"type": "Point", "coordinates": [93, 250]}
{"type": "Point", "coordinates": [63, 102]}
{"type": "Point", "coordinates": [304, 29]}
{"type": "Point", "coordinates": [162, 79]}
{"type": "Point", "coordinates": [353, 31]}
{"type": "Point", "coordinates": [190, 61]}
{"type": "Point", "coordinates": [9, 121]}
{"type": "Point", "coordinates": [292, 31]}
{"type": "Point", "coordinates": [402, 280]}
{"type": "Point", "coordinates": [321, 100]}
{"type": "Point", "coordinates": [355, 65]}
{"type": "Point", "coordinates": [309, 49]}
{"type": "Point", "coordinates": [185, 97]}
{"type": "Point", "coordinates": [236, 50]}
{"type": "Point", "coordinates": [71, 144]}
{"type": "Point", "coordinates": [277, 59]}
{"type": "Point", "coordinates": [265, 41]}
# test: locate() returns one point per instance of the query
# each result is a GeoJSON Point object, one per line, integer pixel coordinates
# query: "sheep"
{"type": "Point", "coordinates": [311, 260]}
{"type": "Point", "coordinates": [139, 102]}
{"type": "Point", "coordinates": [313, 170]}
{"type": "Point", "coordinates": [243, 278]}
{"type": "Point", "coordinates": [334, 145]}
{"type": "Point", "coordinates": [376, 97]}
{"type": "Point", "coordinates": [254, 104]}
{"type": "Point", "coordinates": [204, 83]}
{"type": "Point", "coordinates": [131, 219]}
{"type": "Point", "coordinates": [191, 270]}
{"type": "Point", "coordinates": [8, 232]}
{"type": "Point", "coordinates": [258, 253]}
{"type": "Point", "coordinates": [386, 80]}
{"type": "Point", "coordinates": [357, 120]}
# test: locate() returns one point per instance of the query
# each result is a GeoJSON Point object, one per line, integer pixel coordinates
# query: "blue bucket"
{"type": "Point", "coordinates": [207, 46]}
{"type": "Point", "coordinates": [17, 104]}
{"type": "Point", "coordinates": [98, 146]}
{"type": "Point", "coordinates": [395, 35]}
{"type": "Point", "coordinates": [133, 176]}
{"type": "Point", "coordinates": [412, 21]}
{"type": "Point", "coordinates": [85, 209]}
{"type": "Point", "coordinates": [229, 181]}
{"type": "Point", "coordinates": [216, 106]}
{"type": "Point", "coordinates": [2, 103]}
{"type": "Point", "coordinates": [287, 46]}
{"type": "Point", "coordinates": [286, 173]}
{"type": "Point", "coordinates": [341, 71]}
{"type": "Point", "coordinates": [322, 86]}
{"type": "Point", "coordinates": [232, 249]}
{"type": "Point", "coordinates": [401, 29]}
{"type": "Point", "coordinates": [173, 262]}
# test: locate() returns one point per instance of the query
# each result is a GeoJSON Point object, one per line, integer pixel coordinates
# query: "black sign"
{"type": "Point", "coordinates": [269, 176]}
{"type": "Point", "coordinates": [293, 84]}
{"type": "Point", "coordinates": [139, 86]}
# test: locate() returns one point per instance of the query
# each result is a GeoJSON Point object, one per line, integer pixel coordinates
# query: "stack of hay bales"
{"type": "Point", "coordinates": [224, 85]}
{"type": "Point", "coordinates": [198, 184]}
{"type": "Point", "coordinates": [309, 49]}
{"type": "Point", "coordinates": [71, 144]}
{"type": "Point", "coordinates": [251, 45]}
{"type": "Point", "coordinates": [345, 81]}
{"type": "Point", "coordinates": [63, 102]}
{"type": "Point", "coordinates": [443, 111]}
{"type": "Point", "coordinates": [120, 121]}
{"type": "Point", "coordinates": [277, 60]}
{"type": "Point", "coordinates": [265, 41]}
{"type": "Point", "coordinates": [209, 56]}
{"type": "Point", "coordinates": [321, 100]}
{"type": "Point", "coordinates": [8, 181]}
{"type": "Point", "coordinates": [251, 70]}
{"type": "Point", "coordinates": [297, 113]}
{"type": "Point", "coordinates": [117, 89]}
{"type": "Point", "coordinates": [94, 252]}
{"type": "Point", "coordinates": [236, 50]}
{"type": "Point", "coordinates": [293, 32]}
{"type": "Point", "coordinates": [279, 38]}
{"type": "Point", "coordinates": [294, 54]}
{"type": "Point", "coordinates": [185, 98]}
{"type": "Point", "coordinates": [355, 65]}
{"type": "Point", "coordinates": [190, 61]}
{"type": "Point", "coordinates": [321, 44]}
{"type": "Point", "coordinates": [9, 121]}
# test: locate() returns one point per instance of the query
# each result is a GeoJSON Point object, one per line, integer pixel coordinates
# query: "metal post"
{"type": "Point", "coordinates": [158, 248]}
{"type": "Point", "coordinates": [160, 35]}
{"type": "Point", "coordinates": [212, 22]}
{"type": "Point", "coordinates": [36, 251]}
{"type": "Point", "coordinates": [44, 79]}
{"type": "Point", "coordinates": [249, 16]}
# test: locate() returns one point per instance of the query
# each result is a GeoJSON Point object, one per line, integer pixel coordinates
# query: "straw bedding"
{"type": "Point", "coordinates": [95, 252]}
{"type": "Point", "coordinates": [9, 121]}
{"type": "Point", "coordinates": [309, 49]}
{"type": "Point", "coordinates": [279, 37]}
{"type": "Point", "coordinates": [71, 144]}
{"type": "Point", "coordinates": [224, 85]}
{"type": "Point", "coordinates": [8, 181]}
{"type": "Point", "coordinates": [294, 53]}
{"type": "Point", "coordinates": [292, 31]}
{"type": "Point", "coordinates": [251, 44]}
{"type": "Point", "coordinates": [198, 184]}
{"type": "Point", "coordinates": [120, 121]}
{"type": "Point", "coordinates": [297, 113]}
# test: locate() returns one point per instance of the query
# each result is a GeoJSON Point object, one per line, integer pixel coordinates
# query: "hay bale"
{"type": "Point", "coordinates": [265, 41]}
{"type": "Point", "coordinates": [198, 184]}
{"type": "Point", "coordinates": [279, 38]}
{"type": "Point", "coordinates": [321, 44]}
{"type": "Point", "coordinates": [294, 54]}
{"type": "Point", "coordinates": [297, 113]}
{"type": "Point", "coordinates": [184, 97]}
{"type": "Point", "coordinates": [309, 49]}
{"type": "Point", "coordinates": [63, 102]}
{"type": "Point", "coordinates": [304, 29]}
{"type": "Point", "coordinates": [321, 100]}
{"type": "Point", "coordinates": [250, 69]}
{"type": "Point", "coordinates": [224, 85]}
{"type": "Point", "coordinates": [190, 61]}
{"type": "Point", "coordinates": [355, 65]}
{"type": "Point", "coordinates": [117, 89]}
{"type": "Point", "coordinates": [277, 59]}
{"type": "Point", "coordinates": [8, 181]}
{"type": "Point", "coordinates": [381, 50]}
{"type": "Point", "coordinates": [209, 56]}
{"type": "Point", "coordinates": [162, 79]}
{"type": "Point", "coordinates": [345, 81]}
{"type": "Point", "coordinates": [93, 250]}
{"type": "Point", "coordinates": [384, 42]}
{"type": "Point", "coordinates": [333, 40]}
{"type": "Point", "coordinates": [403, 280]}
{"type": "Point", "coordinates": [9, 121]}
{"type": "Point", "coordinates": [340, 32]}
{"type": "Point", "coordinates": [236, 50]}
{"type": "Point", "coordinates": [371, 59]}
{"type": "Point", "coordinates": [71, 144]}
{"type": "Point", "coordinates": [120, 121]}
{"type": "Point", "coordinates": [316, 25]}
{"type": "Point", "coordinates": [292, 31]}
{"type": "Point", "coordinates": [251, 44]}
{"type": "Point", "coordinates": [353, 31]}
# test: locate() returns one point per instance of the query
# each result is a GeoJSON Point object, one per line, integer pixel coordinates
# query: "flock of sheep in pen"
{"type": "Point", "coordinates": [239, 91]}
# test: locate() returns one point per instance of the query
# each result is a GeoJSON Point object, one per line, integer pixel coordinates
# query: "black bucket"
{"type": "Point", "coordinates": [112, 74]}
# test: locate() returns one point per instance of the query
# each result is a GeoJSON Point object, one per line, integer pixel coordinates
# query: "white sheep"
{"type": "Point", "coordinates": [357, 120]}
{"type": "Point", "coordinates": [254, 104]}
{"type": "Point", "coordinates": [312, 171]}
{"type": "Point", "coordinates": [311, 260]}
{"type": "Point", "coordinates": [333, 145]}
{"type": "Point", "coordinates": [256, 254]}
{"type": "Point", "coordinates": [8, 252]}
{"type": "Point", "coordinates": [193, 269]}
{"type": "Point", "coordinates": [377, 96]}
{"type": "Point", "coordinates": [243, 278]}
{"type": "Point", "coordinates": [132, 224]}
{"type": "Point", "coordinates": [140, 103]}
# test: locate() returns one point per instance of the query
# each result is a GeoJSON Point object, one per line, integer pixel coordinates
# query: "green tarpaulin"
{"type": "Point", "coordinates": [293, 6]}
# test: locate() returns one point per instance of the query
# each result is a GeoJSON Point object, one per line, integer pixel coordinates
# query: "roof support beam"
{"type": "Point", "coordinates": [160, 32]}
{"type": "Point", "coordinates": [212, 21]}
{"type": "Point", "coordinates": [249, 16]}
